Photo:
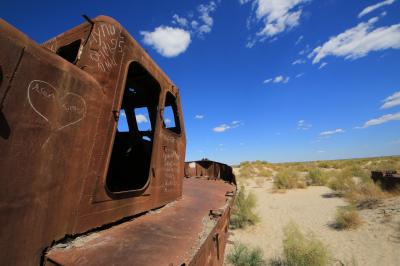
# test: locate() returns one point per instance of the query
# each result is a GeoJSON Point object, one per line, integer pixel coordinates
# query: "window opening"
{"type": "Point", "coordinates": [142, 119]}
{"type": "Point", "coordinates": [70, 51]}
{"type": "Point", "coordinates": [170, 114]}
{"type": "Point", "coordinates": [129, 166]}
{"type": "Point", "coordinates": [122, 122]}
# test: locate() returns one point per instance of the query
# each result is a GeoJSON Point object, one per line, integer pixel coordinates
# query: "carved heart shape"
{"type": "Point", "coordinates": [59, 110]}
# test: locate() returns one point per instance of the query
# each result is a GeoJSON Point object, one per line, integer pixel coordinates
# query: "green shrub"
{"type": "Point", "coordinates": [317, 177]}
{"type": "Point", "coordinates": [288, 179]}
{"type": "Point", "coordinates": [342, 181]}
{"type": "Point", "coordinates": [241, 255]}
{"type": "Point", "coordinates": [347, 219]}
{"type": "Point", "coordinates": [301, 250]}
{"type": "Point", "coordinates": [243, 210]}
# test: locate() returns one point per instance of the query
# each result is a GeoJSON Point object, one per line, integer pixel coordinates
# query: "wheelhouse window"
{"type": "Point", "coordinates": [129, 166]}
{"type": "Point", "coordinates": [170, 114]}
{"type": "Point", "coordinates": [70, 51]}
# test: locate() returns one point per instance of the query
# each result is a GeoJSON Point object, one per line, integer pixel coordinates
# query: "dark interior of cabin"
{"type": "Point", "coordinates": [131, 155]}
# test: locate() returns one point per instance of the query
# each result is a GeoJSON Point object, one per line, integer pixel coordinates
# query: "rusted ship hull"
{"type": "Point", "coordinates": [69, 169]}
{"type": "Point", "coordinates": [210, 170]}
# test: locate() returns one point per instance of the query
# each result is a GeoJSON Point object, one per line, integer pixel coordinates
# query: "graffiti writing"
{"type": "Point", "coordinates": [110, 44]}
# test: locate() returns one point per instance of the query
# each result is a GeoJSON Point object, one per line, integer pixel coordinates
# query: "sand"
{"type": "Point", "coordinates": [376, 242]}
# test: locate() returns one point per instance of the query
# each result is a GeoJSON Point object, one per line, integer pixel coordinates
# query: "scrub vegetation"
{"type": "Point", "coordinates": [243, 213]}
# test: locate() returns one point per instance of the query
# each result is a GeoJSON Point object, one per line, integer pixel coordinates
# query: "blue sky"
{"type": "Point", "coordinates": [275, 80]}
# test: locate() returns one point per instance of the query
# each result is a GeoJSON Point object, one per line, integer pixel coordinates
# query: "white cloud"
{"type": "Point", "coordinates": [277, 16]}
{"type": "Point", "coordinates": [208, 21]}
{"type": "Point", "coordinates": [167, 121]}
{"type": "Point", "coordinates": [183, 22]}
{"type": "Point", "coordinates": [299, 75]}
{"type": "Point", "coordinates": [371, 8]}
{"type": "Point", "coordinates": [172, 41]}
{"type": "Point", "coordinates": [167, 41]}
{"type": "Point", "coordinates": [298, 62]}
{"type": "Point", "coordinates": [221, 128]}
{"type": "Point", "coordinates": [302, 125]}
{"type": "Point", "coordinates": [358, 41]}
{"type": "Point", "coordinates": [281, 79]}
{"type": "Point", "coordinates": [381, 120]}
{"type": "Point", "coordinates": [391, 101]}
{"type": "Point", "coordinates": [277, 79]}
{"type": "Point", "coordinates": [141, 119]}
{"type": "Point", "coordinates": [199, 116]}
{"type": "Point", "coordinates": [331, 132]}
{"type": "Point", "coordinates": [320, 151]}
{"type": "Point", "coordinates": [323, 64]}
{"type": "Point", "coordinates": [225, 127]}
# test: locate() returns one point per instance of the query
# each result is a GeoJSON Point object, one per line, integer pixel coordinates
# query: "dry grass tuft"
{"type": "Point", "coordinates": [288, 179]}
{"type": "Point", "coordinates": [241, 255]}
{"type": "Point", "coordinates": [366, 196]}
{"type": "Point", "coordinates": [347, 219]}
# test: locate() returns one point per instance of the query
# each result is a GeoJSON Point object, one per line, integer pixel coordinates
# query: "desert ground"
{"type": "Point", "coordinates": [375, 240]}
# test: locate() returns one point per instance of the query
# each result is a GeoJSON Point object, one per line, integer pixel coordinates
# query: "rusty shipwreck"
{"type": "Point", "coordinates": [75, 188]}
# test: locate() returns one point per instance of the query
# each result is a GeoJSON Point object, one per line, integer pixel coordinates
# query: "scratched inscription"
{"type": "Point", "coordinates": [59, 109]}
{"type": "Point", "coordinates": [171, 159]}
{"type": "Point", "coordinates": [106, 45]}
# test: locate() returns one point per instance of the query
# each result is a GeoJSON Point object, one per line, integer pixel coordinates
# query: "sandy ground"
{"type": "Point", "coordinates": [376, 242]}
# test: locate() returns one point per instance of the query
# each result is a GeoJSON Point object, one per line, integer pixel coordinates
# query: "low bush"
{"type": "Point", "coordinates": [264, 172]}
{"type": "Point", "coordinates": [301, 250]}
{"type": "Point", "coordinates": [241, 255]}
{"type": "Point", "coordinates": [288, 179]}
{"type": "Point", "coordinates": [243, 210]}
{"type": "Point", "coordinates": [366, 195]}
{"type": "Point", "coordinates": [324, 164]}
{"type": "Point", "coordinates": [347, 219]}
{"type": "Point", "coordinates": [342, 181]}
{"type": "Point", "coordinates": [317, 177]}
{"type": "Point", "coordinates": [247, 171]}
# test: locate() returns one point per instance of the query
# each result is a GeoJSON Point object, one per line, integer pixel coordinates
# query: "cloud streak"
{"type": "Point", "coordinates": [224, 127]}
{"type": "Point", "coordinates": [371, 8]}
{"type": "Point", "coordinates": [382, 120]}
{"type": "Point", "coordinates": [331, 132]}
{"type": "Point", "coordinates": [277, 79]}
{"type": "Point", "coordinates": [302, 125]}
{"type": "Point", "coordinates": [391, 101]}
{"type": "Point", "coordinates": [359, 41]}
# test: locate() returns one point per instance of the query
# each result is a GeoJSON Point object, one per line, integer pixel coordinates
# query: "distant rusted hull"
{"type": "Point", "coordinates": [209, 169]}
{"type": "Point", "coordinates": [388, 179]}
{"type": "Point", "coordinates": [190, 231]}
